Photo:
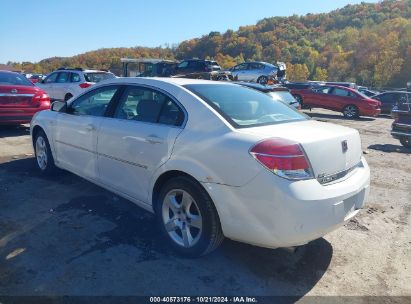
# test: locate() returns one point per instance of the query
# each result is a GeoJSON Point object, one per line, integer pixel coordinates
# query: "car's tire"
{"type": "Point", "coordinates": [351, 111]}
{"type": "Point", "coordinates": [263, 80]}
{"type": "Point", "coordinates": [187, 217]}
{"type": "Point", "coordinates": [67, 97]}
{"type": "Point", "coordinates": [42, 152]}
{"type": "Point", "coordinates": [406, 142]}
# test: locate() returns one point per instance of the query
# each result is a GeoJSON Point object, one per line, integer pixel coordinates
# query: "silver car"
{"type": "Point", "coordinates": [260, 72]}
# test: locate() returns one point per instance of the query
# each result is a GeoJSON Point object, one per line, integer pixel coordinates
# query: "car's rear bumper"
{"type": "Point", "coordinates": [14, 116]}
{"type": "Point", "coordinates": [373, 112]}
{"type": "Point", "coordinates": [273, 212]}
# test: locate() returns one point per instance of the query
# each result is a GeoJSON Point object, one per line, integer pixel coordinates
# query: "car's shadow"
{"type": "Point", "coordinates": [92, 242]}
{"type": "Point", "coordinates": [389, 148]}
{"type": "Point", "coordinates": [323, 116]}
{"type": "Point", "coordinates": [14, 131]}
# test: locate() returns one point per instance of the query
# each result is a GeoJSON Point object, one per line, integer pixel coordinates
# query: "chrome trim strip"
{"type": "Point", "coordinates": [401, 125]}
{"type": "Point", "coordinates": [325, 179]}
{"type": "Point", "coordinates": [278, 156]}
{"type": "Point", "coordinates": [15, 95]}
{"type": "Point", "coordinates": [104, 155]}
{"type": "Point", "coordinates": [400, 133]}
{"type": "Point", "coordinates": [122, 160]}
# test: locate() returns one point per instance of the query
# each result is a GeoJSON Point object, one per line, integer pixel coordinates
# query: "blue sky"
{"type": "Point", "coordinates": [34, 30]}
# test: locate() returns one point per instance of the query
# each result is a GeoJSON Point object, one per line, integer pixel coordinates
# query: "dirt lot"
{"type": "Point", "coordinates": [65, 236]}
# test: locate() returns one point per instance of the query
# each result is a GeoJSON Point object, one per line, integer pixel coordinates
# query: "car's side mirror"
{"type": "Point", "coordinates": [59, 106]}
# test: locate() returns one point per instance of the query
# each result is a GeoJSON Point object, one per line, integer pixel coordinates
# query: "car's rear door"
{"type": "Point", "coordinates": [75, 132]}
{"type": "Point", "coordinates": [138, 139]}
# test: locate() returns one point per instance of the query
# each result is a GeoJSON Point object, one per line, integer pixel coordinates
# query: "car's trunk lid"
{"type": "Point", "coordinates": [17, 96]}
{"type": "Point", "coordinates": [330, 148]}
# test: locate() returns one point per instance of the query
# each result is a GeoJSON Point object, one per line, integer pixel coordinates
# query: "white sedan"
{"type": "Point", "coordinates": [210, 159]}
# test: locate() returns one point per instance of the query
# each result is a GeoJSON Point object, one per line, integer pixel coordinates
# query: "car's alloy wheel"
{"type": "Point", "coordinates": [44, 158]}
{"type": "Point", "coordinates": [41, 153]}
{"type": "Point", "coordinates": [406, 142]}
{"type": "Point", "coordinates": [187, 217]}
{"type": "Point", "coordinates": [351, 111]}
{"type": "Point", "coordinates": [182, 218]}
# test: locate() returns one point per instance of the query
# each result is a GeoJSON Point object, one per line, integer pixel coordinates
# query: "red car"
{"type": "Point", "coordinates": [20, 99]}
{"type": "Point", "coordinates": [337, 98]}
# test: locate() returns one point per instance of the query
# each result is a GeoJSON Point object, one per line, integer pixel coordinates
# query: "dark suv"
{"type": "Point", "coordinates": [401, 127]}
{"type": "Point", "coordinates": [390, 99]}
{"type": "Point", "coordinates": [200, 69]}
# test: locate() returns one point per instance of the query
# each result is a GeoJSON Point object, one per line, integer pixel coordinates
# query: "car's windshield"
{"type": "Point", "coordinates": [244, 107]}
{"type": "Point", "coordinates": [14, 79]}
{"type": "Point", "coordinates": [97, 76]}
{"type": "Point", "coordinates": [283, 96]}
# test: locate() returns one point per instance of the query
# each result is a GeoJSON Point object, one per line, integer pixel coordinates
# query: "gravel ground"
{"type": "Point", "coordinates": [66, 236]}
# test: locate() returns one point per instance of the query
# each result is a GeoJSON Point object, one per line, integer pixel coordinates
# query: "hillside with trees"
{"type": "Point", "coordinates": [369, 44]}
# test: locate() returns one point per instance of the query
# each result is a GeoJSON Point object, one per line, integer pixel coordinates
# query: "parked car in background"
{"type": "Point", "coordinates": [34, 78]}
{"type": "Point", "coordinates": [342, 99]}
{"type": "Point", "coordinates": [276, 92]}
{"type": "Point", "coordinates": [401, 127]}
{"type": "Point", "coordinates": [260, 72]}
{"type": "Point", "coordinates": [148, 67]}
{"type": "Point", "coordinates": [20, 99]}
{"type": "Point", "coordinates": [390, 99]}
{"type": "Point", "coordinates": [367, 91]}
{"type": "Point", "coordinates": [200, 69]}
{"type": "Point", "coordinates": [210, 159]}
{"type": "Point", "coordinates": [65, 83]}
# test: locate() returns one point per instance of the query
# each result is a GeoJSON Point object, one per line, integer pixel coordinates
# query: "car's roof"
{"type": "Point", "coordinates": [399, 92]}
{"type": "Point", "coordinates": [260, 87]}
{"type": "Point", "coordinates": [10, 72]}
{"type": "Point", "coordinates": [80, 71]}
{"type": "Point", "coordinates": [172, 80]}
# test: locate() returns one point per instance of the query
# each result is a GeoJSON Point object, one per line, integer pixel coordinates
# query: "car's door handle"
{"type": "Point", "coordinates": [154, 139]}
{"type": "Point", "coordinates": [90, 127]}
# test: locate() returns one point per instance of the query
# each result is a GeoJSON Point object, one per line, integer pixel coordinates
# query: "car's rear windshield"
{"type": "Point", "coordinates": [14, 79]}
{"type": "Point", "coordinates": [244, 107]}
{"type": "Point", "coordinates": [283, 96]}
{"type": "Point", "coordinates": [98, 76]}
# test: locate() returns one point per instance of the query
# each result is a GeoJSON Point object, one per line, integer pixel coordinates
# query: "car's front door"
{"type": "Point", "coordinates": [48, 84]}
{"type": "Point", "coordinates": [239, 72]}
{"type": "Point", "coordinates": [319, 97]}
{"type": "Point", "coordinates": [61, 86]}
{"type": "Point", "coordinates": [138, 139]}
{"type": "Point", "coordinates": [75, 132]}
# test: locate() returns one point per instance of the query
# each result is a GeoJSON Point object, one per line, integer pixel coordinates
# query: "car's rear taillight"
{"type": "Point", "coordinates": [41, 98]}
{"type": "Point", "coordinates": [283, 157]}
{"type": "Point", "coordinates": [85, 85]}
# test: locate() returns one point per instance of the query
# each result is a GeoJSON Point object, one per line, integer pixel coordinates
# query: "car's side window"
{"type": "Point", "coordinates": [94, 103]}
{"type": "Point", "coordinates": [340, 92]}
{"type": "Point", "coordinates": [63, 77]}
{"type": "Point", "coordinates": [51, 78]}
{"type": "Point", "coordinates": [255, 66]}
{"type": "Point", "coordinates": [75, 77]}
{"type": "Point", "coordinates": [148, 105]}
{"type": "Point", "coordinates": [323, 90]}
{"type": "Point", "coordinates": [182, 65]}
{"type": "Point", "coordinates": [241, 67]}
